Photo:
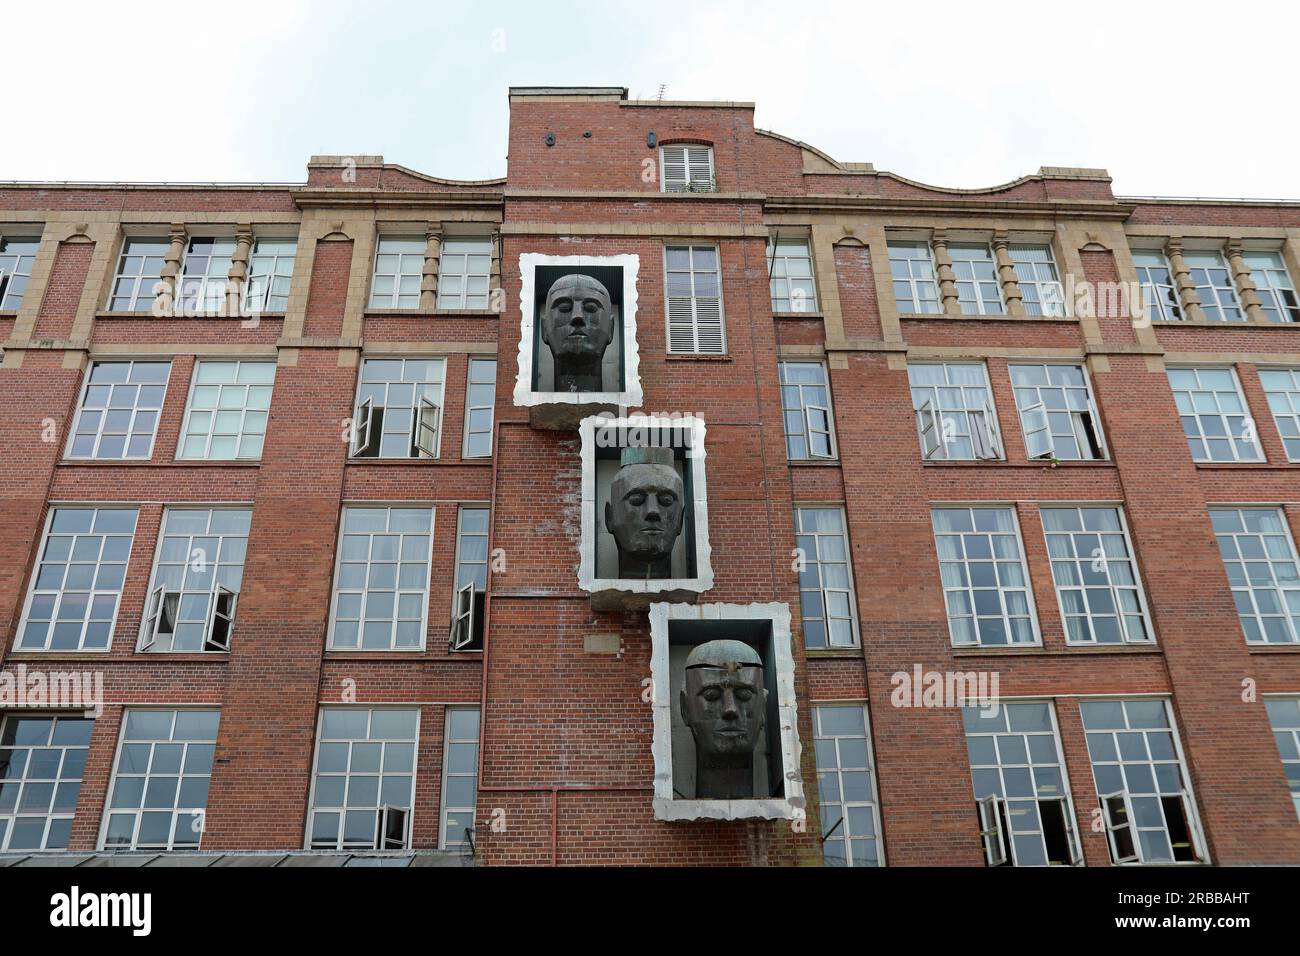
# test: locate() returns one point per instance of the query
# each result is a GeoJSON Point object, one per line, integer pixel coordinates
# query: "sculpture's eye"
{"type": "Point", "coordinates": [743, 694]}
{"type": "Point", "coordinates": [636, 498]}
{"type": "Point", "coordinates": [591, 305]}
{"type": "Point", "coordinates": [711, 694]}
{"type": "Point", "coordinates": [667, 499]}
{"type": "Point", "coordinates": [563, 305]}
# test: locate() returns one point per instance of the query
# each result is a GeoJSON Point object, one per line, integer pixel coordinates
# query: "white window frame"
{"type": "Point", "coordinates": [1289, 397]}
{"type": "Point", "coordinates": [271, 274]}
{"type": "Point", "coordinates": [139, 279]}
{"type": "Point", "coordinates": [397, 589]}
{"type": "Point", "coordinates": [690, 165]}
{"type": "Point", "coordinates": [23, 779]}
{"type": "Point", "coordinates": [1043, 277]}
{"type": "Point", "coordinates": [461, 637]}
{"type": "Point", "coordinates": [963, 266]}
{"type": "Point", "coordinates": [822, 589]}
{"type": "Point", "coordinates": [176, 809]}
{"type": "Point", "coordinates": [873, 804]}
{"type": "Point", "coordinates": [447, 741]}
{"type": "Point", "coordinates": [1272, 279]}
{"type": "Point", "coordinates": [11, 301]}
{"type": "Point", "coordinates": [1160, 299]}
{"type": "Point", "coordinates": [694, 301]}
{"type": "Point", "coordinates": [1110, 586]}
{"type": "Point", "coordinates": [381, 807]}
{"type": "Point", "coordinates": [393, 299]}
{"type": "Point", "coordinates": [243, 410]}
{"type": "Point", "coordinates": [1291, 733]}
{"type": "Point", "coordinates": [154, 606]}
{"type": "Point", "coordinates": [806, 409]}
{"type": "Point", "coordinates": [999, 804]}
{"type": "Point", "coordinates": [992, 432]}
{"type": "Point", "coordinates": [1283, 590]}
{"type": "Point", "coordinates": [210, 298]}
{"type": "Point", "coordinates": [1188, 797]}
{"type": "Point", "coordinates": [1214, 298]}
{"type": "Point", "coordinates": [17, 647]}
{"type": "Point", "coordinates": [470, 407]}
{"type": "Point", "coordinates": [1247, 415]}
{"type": "Point", "coordinates": [968, 589]}
{"type": "Point", "coordinates": [135, 410]}
{"type": "Point", "coordinates": [913, 280]}
{"type": "Point", "coordinates": [466, 247]}
{"type": "Point", "coordinates": [803, 253]}
{"type": "Point", "coordinates": [363, 420]}
{"type": "Point", "coordinates": [1043, 426]}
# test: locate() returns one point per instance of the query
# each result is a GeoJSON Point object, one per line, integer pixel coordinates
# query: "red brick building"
{"type": "Point", "coordinates": [1033, 440]}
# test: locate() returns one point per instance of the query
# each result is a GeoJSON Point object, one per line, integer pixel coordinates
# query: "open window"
{"type": "Point", "coordinates": [984, 433]}
{"type": "Point", "coordinates": [221, 619]}
{"type": "Point", "coordinates": [464, 618]}
{"type": "Point", "coordinates": [1038, 431]}
{"type": "Point", "coordinates": [1087, 429]}
{"type": "Point", "coordinates": [366, 426]}
{"type": "Point", "coordinates": [1059, 834]}
{"type": "Point", "coordinates": [424, 438]}
{"type": "Point", "coordinates": [390, 834]}
{"type": "Point", "coordinates": [992, 832]}
{"type": "Point", "coordinates": [817, 421]}
{"type": "Point", "coordinates": [163, 605]}
{"type": "Point", "coordinates": [931, 437]}
{"type": "Point", "coordinates": [1184, 837]}
{"type": "Point", "coordinates": [1118, 817]}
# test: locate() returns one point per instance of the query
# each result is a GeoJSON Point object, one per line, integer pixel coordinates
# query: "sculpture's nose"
{"type": "Point", "coordinates": [729, 710]}
{"type": "Point", "coordinates": [578, 322]}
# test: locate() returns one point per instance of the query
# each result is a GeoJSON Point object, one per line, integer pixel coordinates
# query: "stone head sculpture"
{"type": "Point", "coordinates": [724, 703]}
{"type": "Point", "coordinates": [645, 511]}
{"type": "Point", "coordinates": [577, 326]}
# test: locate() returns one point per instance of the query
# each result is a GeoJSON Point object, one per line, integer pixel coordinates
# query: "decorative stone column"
{"type": "Point", "coordinates": [1007, 274]}
{"type": "Point", "coordinates": [1188, 299]}
{"type": "Point", "coordinates": [432, 258]}
{"type": "Point", "coordinates": [169, 279]}
{"type": "Point", "coordinates": [1245, 283]}
{"type": "Point", "coordinates": [494, 282]}
{"type": "Point", "coordinates": [237, 278]}
{"type": "Point", "coordinates": [943, 270]}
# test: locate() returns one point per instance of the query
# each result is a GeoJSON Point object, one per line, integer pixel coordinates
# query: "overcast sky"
{"type": "Point", "coordinates": [1175, 99]}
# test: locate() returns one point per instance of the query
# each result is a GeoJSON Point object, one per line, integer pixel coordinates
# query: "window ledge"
{"type": "Point", "coordinates": [189, 657]}
{"type": "Point", "coordinates": [1259, 648]}
{"type": "Point", "coordinates": [198, 317]}
{"type": "Point", "coordinates": [149, 462]}
{"type": "Point", "coordinates": [696, 357]}
{"type": "Point", "coordinates": [1243, 465]}
{"type": "Point", "coordinates": [401, 656]}
{"type": "Point", "coordinates": [833, 653]}
{"type": "Point", "coordinates": [813, 462]}
{"type": "Point", "coordinates": [29, 655]}
{"type": "Point", "coordinates": [1004, 463]}
{"type": "Point", "coordinates": [1212, 324]}
{"type": "Point", "coordinates": [798, 315]}
{"type": "Point", "coordinates": [409, 462]}
{"type": "Point", "coordinates": [1056, 650]}
{"type": "Point", "coordinates": [962, 317]}
{"type": "Point", "coordinates": [8, 313]}
{"type": "Point", "coordinates": [467, 313]}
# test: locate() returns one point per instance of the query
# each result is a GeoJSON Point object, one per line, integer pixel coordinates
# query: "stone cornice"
{"type": "Point", "coordinates": [1061, 209]}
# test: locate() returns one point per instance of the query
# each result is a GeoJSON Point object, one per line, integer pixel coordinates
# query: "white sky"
{"type": "Point", "coordinates": [1175, 99]}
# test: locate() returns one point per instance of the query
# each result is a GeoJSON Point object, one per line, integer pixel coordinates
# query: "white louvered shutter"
{"type": "Point", "coordinates": [687, 168]}
{"type": "Point", "coordinates": [694, 300]}
{"type": "Point", "coordinates": [674, 169]}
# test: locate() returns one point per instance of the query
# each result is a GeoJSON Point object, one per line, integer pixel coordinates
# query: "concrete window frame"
{"type": "Point", "coordinates": [563, 409]}
{"type": "Point", "coordinates": [610, 593]}
{"type": "Point", "coordinates": [791, 805]}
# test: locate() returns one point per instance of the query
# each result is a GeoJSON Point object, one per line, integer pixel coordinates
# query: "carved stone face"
{"type": "Point", "coordinates": [579, 319]}
{"type": "Point", "coordinates": [723, 700]}
{"type": "Point", "coordinates": [645, 510]}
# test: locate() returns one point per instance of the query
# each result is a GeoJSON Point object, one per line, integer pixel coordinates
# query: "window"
{"type": "Point", "coordinates": [1215, 419]}
{"type": "Point", "coordinates": [196, 579]}
{"type": "Point", "coordinates": [16, 258]}
{"type": "Point", "coordinates": [1156, 279]}
{"type": "Point", "coordinates": [825, 579]}
{"type": "Point", "coordinates": [789, 265]}
{"type": "Point", "coordinates": [1260, 559]}
{"type": "Point", "coordinates": [119, 410]}
{"type": "Point", "coordinates": [1284, 716]}
{"type": "Point", "coordinates": [912, 268]}
{"type": "Point", "coordinates": [72, 605]}
{"type": "Point", "coordinates": [850, 812]}
{"type": "Point", "coordinates": [1146, 800]}
{"type": "Point", "coordinates": [954, 411]}
{"type": "Point", "coordinates": [42, 760]}
{"type": "Point", "coordinates": [978, 290]}
{"type": "Point", "coordinates": [985, 580]}
{"type": "Point", "coordinates": [1057, 414]}
{"type": "Point", "coordinates": [1273, 283]}
{"type": "Point", "coordinates": [1214, 286]}
{"type": "Point", "coordinates": [469, 601]}
{"type": "Point", "coordinates": [399, 409]}
{"type": "Point", "coordinates": [1282, 388]}
{"type": "Point", "coordinates": [694, 286]}
{"type": "Point", "coordinates": [381, 590]}
{"type": "Point", "coordinates": [270, 273]}
{"type": "Point", "coordinates": [139, 272]}
{"type": "Point", "coordinates": [806, 404]}
{"type": "Point", "coordinates": [1021, 792]}
{"type": "Point", "coordinates": [480, 402]}
{"type": "Point", "coordinates": [459, 778]}
{"type": "Point", "coordinates": [463, 273]}
{"type": "Point", "coordinates": [1040, 285]}
{"type": "Point", "coordinates": [686, 169]}
{"type": "Point", "coordinates": [225, 417]}
{"type": "Point", "coordinates": [205, 275]}
{"type": "Point", "coordinates": [365, 765]}
{"type": "Point", "coordinates": [399, 271]}
{"type": "Point", "coordinates": [1096, 578]}
{"type": "Point", "coordinates": [159, 794]}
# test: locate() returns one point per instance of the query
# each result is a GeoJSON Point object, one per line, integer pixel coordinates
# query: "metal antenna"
{"type": "Point", "coordinates": [663, 88]}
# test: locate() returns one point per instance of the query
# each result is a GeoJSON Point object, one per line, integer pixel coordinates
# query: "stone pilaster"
{"type": "Point", "coordinates": [432, 257]}
{"type": "Point", "coordinates": [1188, 299]}
{"type": "Point", "coordinates": [943, 271]}
{"type": "Point", "coordinates": [237, 278]}
{"type": "Point", "coordinates": [1007, 275]}
{"type": "Point", "coordinates": [1241, 277]}
{"type": "Point", "coordinates": [170, 278]}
